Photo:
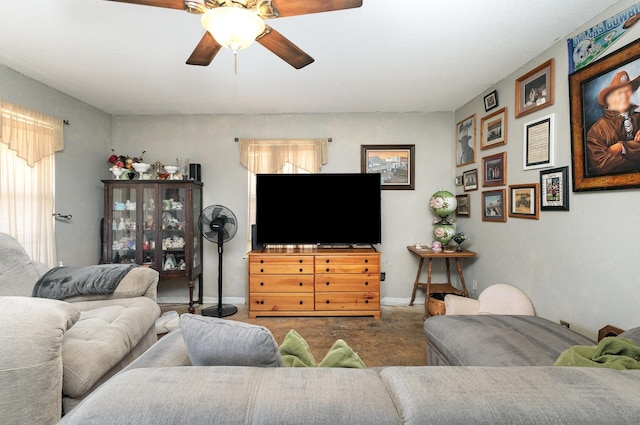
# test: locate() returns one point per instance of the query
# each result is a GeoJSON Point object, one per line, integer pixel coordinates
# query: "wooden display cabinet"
{"type": "Point", "coordinates": [154, 223]}
{"type": "Point", "coordinates": [314, 282]}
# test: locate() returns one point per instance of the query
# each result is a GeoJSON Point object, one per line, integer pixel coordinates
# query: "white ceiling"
{"type": "Point", "coordinates": [409, 55]}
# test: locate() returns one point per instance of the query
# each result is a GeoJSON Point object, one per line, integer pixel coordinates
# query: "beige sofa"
{"type": "Point", "coordinates": [87, 339]}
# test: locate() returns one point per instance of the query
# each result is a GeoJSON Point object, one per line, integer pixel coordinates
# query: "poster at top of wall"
{"type": "Point", "coordinates": [587, 46]}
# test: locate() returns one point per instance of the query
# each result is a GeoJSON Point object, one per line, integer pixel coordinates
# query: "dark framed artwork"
{"type": "Point", "coordinates": [494, 170]}
{"type": "Point", "coordinates": [605, 137]}
{"type": "Point", "coordinates": [470, 180]}
{"type": "Point", "coordinates": [523, 201]}
{"type": "Point", "coordinates": [554, 189]}
{"type": "Point", "coordinates": [493, 129]}
{"type": "Point", "coordinates": [466, 141]}
{"type": "Point", "coordinates": [491, 101]}
{"type": "Point", "coordinates": [493, 206]}
{"type": "Point", "coordinates": [539, 143]}
{"type": "Point", "coordinates": [534, 90]}
{"type": "Point", "coordinates": [394, 163]}
{"type": "Point", "coordinates": [464, 207]}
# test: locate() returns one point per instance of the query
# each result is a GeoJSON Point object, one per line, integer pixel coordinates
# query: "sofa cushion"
{"type": "Point", "coordinates": [140, 281]}
{"type": "Point", "coordinates": [498, 340]}
{"type": "Point", "coordinates": [31, 335]}
{"type": "Point", "coordinates": [18, 273]}
{"type": "Point", "coordinates": [632, 334]}
{"type": "Point", "coordinates": [217, 342]}
{"type": "Point", "coordinates": [239, 396]}
{"type": "Point", "coordinates": [106, 332]}
{"type": "Point", "coordinates": [516, 395]}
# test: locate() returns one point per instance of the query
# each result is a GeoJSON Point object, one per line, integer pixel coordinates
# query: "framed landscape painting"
{"type": "Point", "coordinates": [605, 125]}
{"type": "Point", "coordinates": [523, 201]}
{"type": "Point", "coordinates": [466, 141]}
{"type": "Point", "coordinates": [493, 202]}
{"type": "Point", "coordinates": [493, 129]}
{"type": "Point", "coordinates": [394, 163]}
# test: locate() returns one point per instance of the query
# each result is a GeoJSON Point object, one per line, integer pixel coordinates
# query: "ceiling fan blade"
{"type": "Point", "coordinates": [305, 7]}
{"type": "Point", "coordinates": [284, 49]}
{"type": "Point", "coordinates": [205, 51]}
{"type": "Point", "coordinates": [169, 4]}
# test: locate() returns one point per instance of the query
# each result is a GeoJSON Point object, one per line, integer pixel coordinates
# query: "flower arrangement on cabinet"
{"type": "Point", "coordinates": [124, 164]}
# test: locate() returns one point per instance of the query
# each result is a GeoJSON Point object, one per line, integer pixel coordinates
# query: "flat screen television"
{"type": "Point", "coordinates": [325, 209]}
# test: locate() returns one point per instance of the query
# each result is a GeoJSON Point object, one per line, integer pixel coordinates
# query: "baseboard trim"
{"type": "Point", "coordinates": [400, 302]}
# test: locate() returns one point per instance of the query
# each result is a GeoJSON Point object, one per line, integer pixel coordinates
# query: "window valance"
{"type": "Point", "coordinates": [268, 156]}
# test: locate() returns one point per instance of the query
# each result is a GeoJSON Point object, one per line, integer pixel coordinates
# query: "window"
{"type": "Point", "coordinates": [28, 141]}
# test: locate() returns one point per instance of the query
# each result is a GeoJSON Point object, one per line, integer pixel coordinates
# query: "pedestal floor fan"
{"type": "Point", "coordinates": [218, 224]}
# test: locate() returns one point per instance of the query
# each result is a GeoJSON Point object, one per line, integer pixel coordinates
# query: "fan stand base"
{"type": "Point", "coordinates": [223, 310]}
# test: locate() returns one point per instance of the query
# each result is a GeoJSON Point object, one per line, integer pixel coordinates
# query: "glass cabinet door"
{"type": "Point", "coordinates": [123, 226]}
{"type": "Point", "coordinates": [173, 229]}
{"type": "Point", "coordinates": [197, 209]}
{"type": "Point", "coordinates": [149, 226]}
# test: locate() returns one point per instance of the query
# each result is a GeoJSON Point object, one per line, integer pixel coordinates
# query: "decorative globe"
{"type": "Point", "coordinates": [443, 203]}
{"type": "Point", "coordinates": [443, 232]}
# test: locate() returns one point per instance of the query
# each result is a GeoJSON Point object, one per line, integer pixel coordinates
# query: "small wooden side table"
{"type": "Point", "coordinates": [435, 288]}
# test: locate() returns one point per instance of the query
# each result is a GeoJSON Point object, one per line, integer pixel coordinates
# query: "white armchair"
{"type": "Point", "coordinates": [496, 299]}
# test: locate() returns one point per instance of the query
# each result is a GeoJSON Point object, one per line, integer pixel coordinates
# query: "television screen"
{"type": "Point", "coordinates": [318, 209]}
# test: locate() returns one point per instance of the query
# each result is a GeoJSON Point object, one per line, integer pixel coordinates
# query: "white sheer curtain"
{"type": "Point", "coordinates": [279, 156]}
{"type": "Point", "coordinates": [28, 142]}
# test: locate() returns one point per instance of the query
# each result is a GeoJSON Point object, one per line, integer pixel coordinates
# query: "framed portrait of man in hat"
{"type": "Point", "coordinates": [605, 122]}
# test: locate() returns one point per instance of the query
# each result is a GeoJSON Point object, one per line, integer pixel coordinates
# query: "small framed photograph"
{"type": "Point", "coordinates": [554, 189]}
{"type": "Point", "coordinates": [394, 163]}
{"type": "Point", "coordinates": [466, 141]}
{"type": "Point", "coordinates": [491, 101]}
{"type": "Point", "coordinates": [539, 147]}
{"type": "Point", "coordinates": [534, 90]}
{"type": "Point", "coordinates": [470, 180]}
{"type": "Point", "coordinates": [463, 209]}
{"type": "Point", "coordinates": [493, 206]}
{"type": "Point", "coordinates": [493, 129]}
{"type": "Point", "coordinates": [523, 201]}
{"type": "Point", "coordinates": [458, 180]}
{"type": "Point", "coordinates": [494, 170]}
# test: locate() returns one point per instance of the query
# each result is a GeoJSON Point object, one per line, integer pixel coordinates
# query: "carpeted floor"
{"type": "Point", "coordinates": [394, 340]}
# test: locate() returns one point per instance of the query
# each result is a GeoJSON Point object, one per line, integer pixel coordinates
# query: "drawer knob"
{"type": "Point", "coordinates": [328, 283]}
{"type": "Point", "coordinates": [261, 302]}
{"type": "Point", "coordinates": [366, 284]}
{"type": "Point", "coordinates": [300, 261]}
{"type": "Point", "coordinates": [300, 270]}
{"type": "Point", "coordinates": [300, 284]}
{"type": "Point", "coordinates": [366, 301]}
{"type": "Point", "coordinates": [366, 261]}
{"type": "Point", "coordinates": [301, 302]}
{"type": "Point", "coordinates": [328, 270]}
{"type": "Point", "coordinates": [328, 301]}
{"type": "Point", "coordinates": [261, 270]}
{"type": "Point", "coordinates": [366, 270]}
{"type": "Point", "coordinates": [261, 283]}
{"type": "Point", "coordinates": [261, 261]}
{"type": "Point", "coordinates": [327, 261]}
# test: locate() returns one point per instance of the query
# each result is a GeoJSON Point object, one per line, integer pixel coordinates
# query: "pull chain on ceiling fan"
{"type": "Point", "coordinates": [236, 24]}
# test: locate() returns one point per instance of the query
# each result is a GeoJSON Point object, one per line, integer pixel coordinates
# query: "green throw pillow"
{"type": "Point", "coordinates": [295, 352]}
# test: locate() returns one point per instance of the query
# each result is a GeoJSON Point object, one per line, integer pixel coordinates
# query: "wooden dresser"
{"type": "Point", "coordinates": [314, 282]}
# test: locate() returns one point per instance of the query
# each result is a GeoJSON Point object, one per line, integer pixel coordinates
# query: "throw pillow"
{"type": "Point", "coordinates": [217, 342]}
{"type": "Point", "coordinates": [295, 352]}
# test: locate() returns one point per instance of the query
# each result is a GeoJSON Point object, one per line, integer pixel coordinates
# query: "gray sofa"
{"type": "Point", "coordinates": [53, 353]}
{"type": "Point", "coordinates": [161, 387]}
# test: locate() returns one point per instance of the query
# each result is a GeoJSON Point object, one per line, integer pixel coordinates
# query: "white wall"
{"type": "Point", "coordinates": [79, 167]}
{"type": "Point", "coordinates": [210, 141]}
{"type": "Point", "coordinates": [581, 266]}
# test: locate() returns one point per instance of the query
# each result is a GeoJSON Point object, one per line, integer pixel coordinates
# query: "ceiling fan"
{"type": "Point", "coordinates": [236, 24]}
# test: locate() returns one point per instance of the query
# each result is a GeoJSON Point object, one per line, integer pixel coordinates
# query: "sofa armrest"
{"type": "Point", "coordinates": [31, 334]}
{"type": "Point", "coordinates": [139, 282]}
{"type": "Point", "coordinates": [457, 305]}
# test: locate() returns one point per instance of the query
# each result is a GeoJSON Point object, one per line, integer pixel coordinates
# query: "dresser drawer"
{"type": "Point", "coordinates": [282, 302]}
{"type": "Point", "coordinates": [337, 301]}
{"type": "Point", "coordinates": [273, 264]}
{"type": "Point", "coordinates": [348, 264]}
{"type": "Point", "coordinates": [281, 283]}
{"type": "Point", "coordinates": [347, 282]}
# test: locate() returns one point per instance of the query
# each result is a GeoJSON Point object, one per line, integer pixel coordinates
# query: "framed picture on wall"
{"type": "Point", "coordinates": [493, 129]}
{"type": "Point", "coordinates": [494, 170]}
{"type": "Point", "coordinates": [605, 123]}
{"type": "Point", "coordinates": [534, 90]}
{"type": "Point", "coordinates": [470, 180]}
{"type": "Point", "coordinates": [394, 163]}
{"type": "Point", "coordinates": [539, 147]}
{"type": "Point", "coordinates": [554, 189]}
{"type": "Point", "coordinates": [491, 101]}
{"type": "Point", "coordinates": [493, 206]}
{"type": "Point", "coordinates": [466, 141]}
{"type": "Point", "coordinates": [523, 201]}
{"type": "Point", "coordinates": [463, 209]}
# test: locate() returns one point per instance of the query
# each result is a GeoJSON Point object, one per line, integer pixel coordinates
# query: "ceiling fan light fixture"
{"type": "Point", "coordinates": [235, 28]}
